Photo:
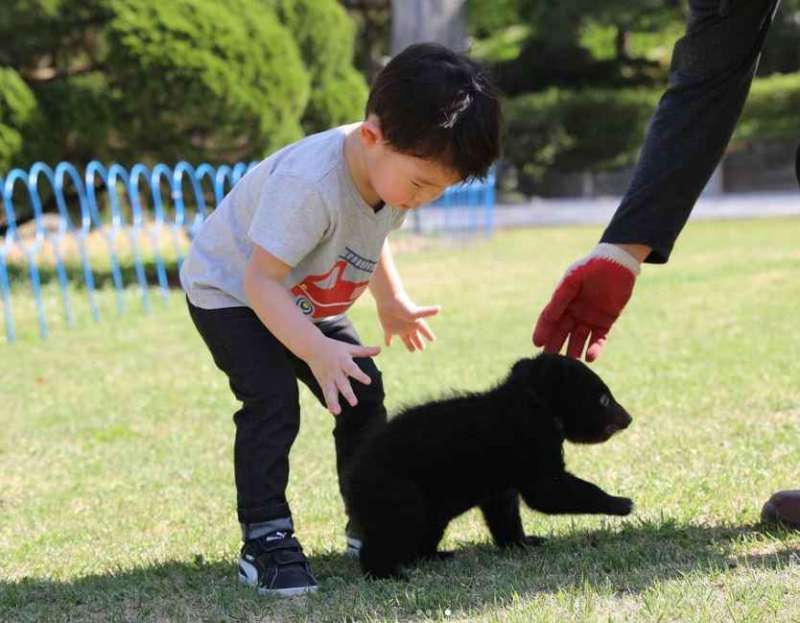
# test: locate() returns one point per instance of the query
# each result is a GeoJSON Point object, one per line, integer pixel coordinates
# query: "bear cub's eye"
{"type": "Point", "coordinates": [604, 400]}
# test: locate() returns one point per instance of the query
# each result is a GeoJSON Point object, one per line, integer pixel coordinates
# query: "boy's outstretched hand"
{"type": "Point", "coordinates": [400, 316]}
{"type": "Point", "coordinates": [333, 366]}
{"type": "Point", "coordinates": [587, 301]}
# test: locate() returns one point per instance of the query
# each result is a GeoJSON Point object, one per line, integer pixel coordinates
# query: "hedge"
{"type": "Point", "coordinates": [566, 130]}
{"type": "Point", "coordinates": [17, 112]}
{"type": "Point", "coordinates": [601, 129]}
{"type": "Point", "coordinates": [166, 80]}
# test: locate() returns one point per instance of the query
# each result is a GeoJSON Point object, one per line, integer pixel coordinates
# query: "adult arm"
{"type": "Point", "coordinates": [712, 69]}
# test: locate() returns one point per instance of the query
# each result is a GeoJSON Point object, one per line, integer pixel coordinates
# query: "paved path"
{"type": "Point", "coordinates": [543, 212]}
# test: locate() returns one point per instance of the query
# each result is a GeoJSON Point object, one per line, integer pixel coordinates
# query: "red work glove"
{"type": "Point", "coordinates": [587, 301]}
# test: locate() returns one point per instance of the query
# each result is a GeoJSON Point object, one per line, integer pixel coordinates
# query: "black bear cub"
{"type": "Point", "coordinates": [437, 460]}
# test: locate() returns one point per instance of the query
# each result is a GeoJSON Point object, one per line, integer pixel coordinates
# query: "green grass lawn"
{"type": "Point", "coordinates": [116, 479]}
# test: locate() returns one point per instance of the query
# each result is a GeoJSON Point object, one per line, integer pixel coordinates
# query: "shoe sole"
{"type": "Point", "coordinates": [278, 592]}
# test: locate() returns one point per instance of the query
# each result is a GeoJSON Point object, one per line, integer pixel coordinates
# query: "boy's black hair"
{"type": "Point", "coordinates": [436, 104]}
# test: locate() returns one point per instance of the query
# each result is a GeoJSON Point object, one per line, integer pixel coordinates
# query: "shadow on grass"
{"type": "Point", "coordinates": [481, 578]}
{"type": "Point", "coordinates": [19, 275]}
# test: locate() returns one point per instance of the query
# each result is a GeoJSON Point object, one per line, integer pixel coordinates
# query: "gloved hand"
{"type": "Point", "coordinates": [587, 301]}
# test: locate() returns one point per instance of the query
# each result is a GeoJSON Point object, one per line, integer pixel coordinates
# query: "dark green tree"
{"type": "Point", "coordinates": [325, 35]}
{"type": "Point", "coordinates": [194, 79]}
{"type": "Point", "coordinates": [782, 50]}
{"type": "Point", "coordinates": [373, 23]}
{"type": "Point", "coordinates": [198, 80]}
{"type": "Point", "coordinates": [535, 44]}
{"type": "Point", "coordinates": [583, 82]}
{"type": "Point", "coordinates": [17, 115]}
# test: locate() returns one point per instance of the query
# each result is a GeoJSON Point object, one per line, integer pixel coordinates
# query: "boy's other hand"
{"type": "Point", "coordinates": [333, 366]}
{"type": "Point", "coordinates": [588, 300]}
{"type": "Point", "coordinates": [402, 317]}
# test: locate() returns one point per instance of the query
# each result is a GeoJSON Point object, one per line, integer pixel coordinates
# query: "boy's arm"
{"type": "Point", "coordinates": [330, 361]}
{"type": "Point", "coordinates": [263, 285]}
{"type": "Point", "coordinates": [397, 313]}
{"type": "Point", "coordinates": [386, 284]}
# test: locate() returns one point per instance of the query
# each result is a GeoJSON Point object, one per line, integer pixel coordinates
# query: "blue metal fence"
{"type": "Point", "coordinates": [109, 203]}
{"type": "Point", "coordinates": [467, 208]}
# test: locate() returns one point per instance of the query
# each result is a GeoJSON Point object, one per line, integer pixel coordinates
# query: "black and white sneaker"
{"type": "Point", "coordinates": [353, 541]}
{"type": "Point", "coordinates": [275, 565]}
{"type": "Point", "coordinates": [353, 546]}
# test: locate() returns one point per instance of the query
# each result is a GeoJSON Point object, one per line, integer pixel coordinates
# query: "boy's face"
{"type": "Point", "coordinates": [398, 179]}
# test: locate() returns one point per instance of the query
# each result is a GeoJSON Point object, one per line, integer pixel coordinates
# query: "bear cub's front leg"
{"type": "Point", "coordinates": [566, 493]}
{"type": "Point", "coordinates": [502, 517]}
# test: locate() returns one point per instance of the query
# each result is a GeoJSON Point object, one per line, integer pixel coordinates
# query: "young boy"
{"type": "Point", "coordinates": [289, 249]}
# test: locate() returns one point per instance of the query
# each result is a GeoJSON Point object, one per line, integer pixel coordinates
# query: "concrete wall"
{"type": "Point", "coordinates": [756, 167]}
{"type": "Point", "coordinates": [760, 166]}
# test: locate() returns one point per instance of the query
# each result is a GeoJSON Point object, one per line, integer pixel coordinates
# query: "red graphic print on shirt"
{"type": "Point", "coordinates": [330, 293]}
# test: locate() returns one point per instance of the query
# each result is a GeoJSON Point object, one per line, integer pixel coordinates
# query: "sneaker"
{"type": "Point", "coordinates": [353, 546]}
{"type": "Point", "coordinates": [275, 565]}
{"type": "Point", "coordinates": [783, 508]}
{"type": "Point", "coordinates": [353, 541]}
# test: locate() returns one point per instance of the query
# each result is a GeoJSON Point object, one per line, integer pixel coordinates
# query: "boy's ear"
{"type": "Point", "coordinates": [370, 132]}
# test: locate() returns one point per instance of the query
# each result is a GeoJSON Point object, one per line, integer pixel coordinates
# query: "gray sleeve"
{"type": "Point", "coordinates": [712, 68]}
{"type": "Point", "coordinates": [291, 218]}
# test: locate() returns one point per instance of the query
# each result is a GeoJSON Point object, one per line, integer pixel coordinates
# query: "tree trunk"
{"type": "Point", "coordinates": [372, 44]}
{"type": "Point", "coordinates": [440, 21]}
{"type": "Point", "coordinates": [621, 43]}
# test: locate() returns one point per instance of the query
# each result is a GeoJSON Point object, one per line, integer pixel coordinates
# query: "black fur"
{"type": "Point", "coordinates": [436, 460]}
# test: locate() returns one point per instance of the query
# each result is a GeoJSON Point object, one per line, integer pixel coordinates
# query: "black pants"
{"type": "Point", "coordinates": [263, 375]}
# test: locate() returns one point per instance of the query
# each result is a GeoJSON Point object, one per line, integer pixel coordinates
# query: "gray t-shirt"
{"type": "Point", "coordinates": [302, 206]}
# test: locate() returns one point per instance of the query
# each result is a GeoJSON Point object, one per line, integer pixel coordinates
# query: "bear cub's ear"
{"type": "Point", "coordinates": [525, 370]}
{"type": "Point", "coordinates": [522, 377]}
{"type": "Point", "coordinates": [533, 371]}
{"type": "Point", "coordinates": [529, 378]}
{"type": "Point", "coordinates": [521, 369]}
{"type": "Point", "coordinates": [526, 379]}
